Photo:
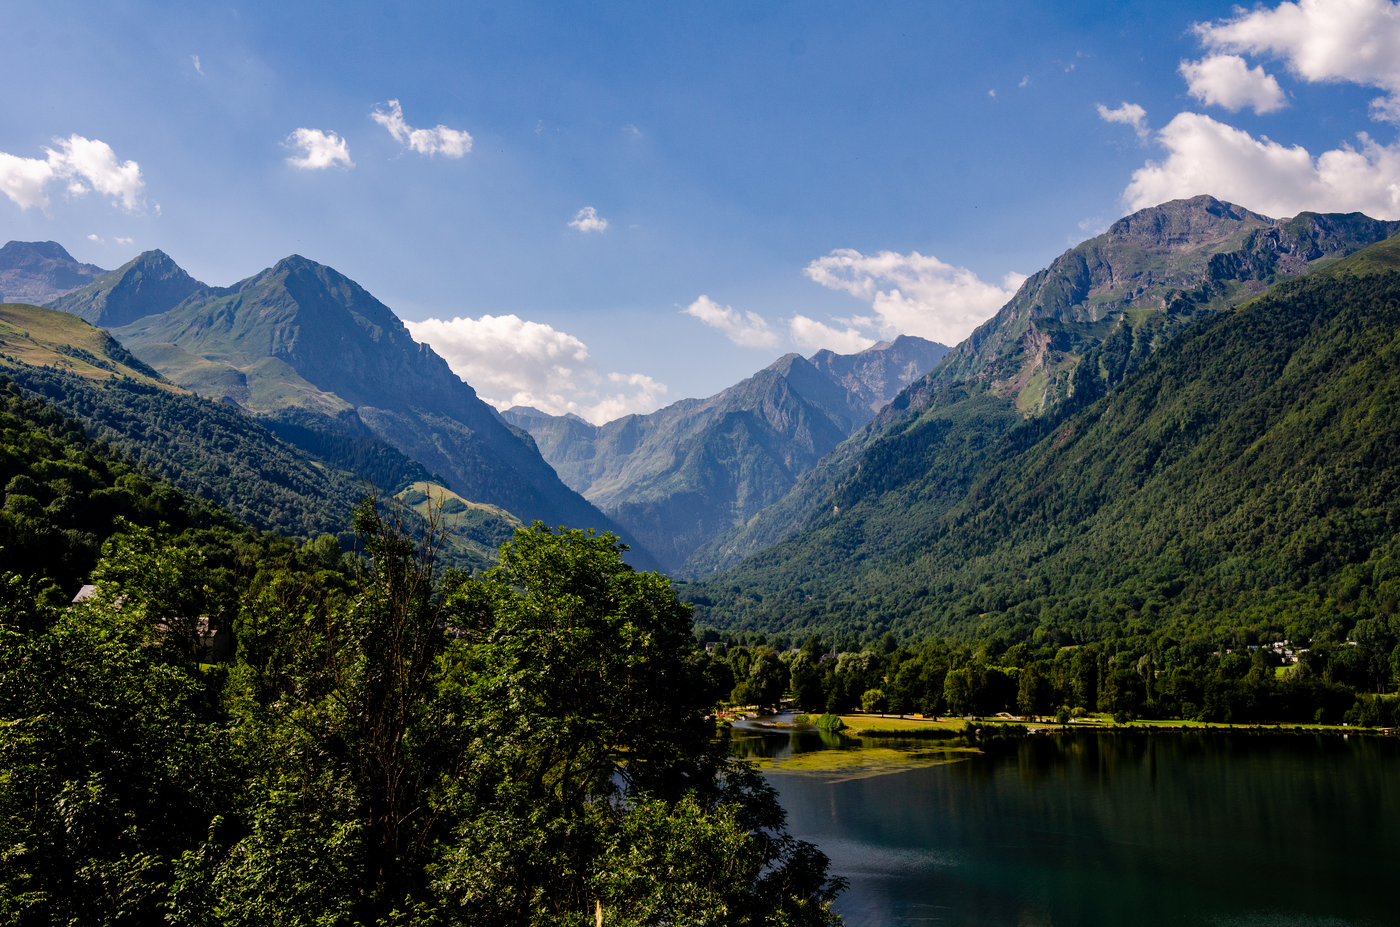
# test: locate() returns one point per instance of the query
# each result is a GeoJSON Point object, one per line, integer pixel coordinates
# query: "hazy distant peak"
{"type": "Point", "coordinates": [38, 271]}
{"type": "Point", "coordinates": [16, 252]}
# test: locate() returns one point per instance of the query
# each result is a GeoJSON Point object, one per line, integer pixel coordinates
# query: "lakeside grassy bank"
{"type": "Point", "coordinates": [859, 725]}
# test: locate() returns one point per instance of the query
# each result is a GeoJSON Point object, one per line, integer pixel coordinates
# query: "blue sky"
{"type": "Point", "coordinates": [821, 173]}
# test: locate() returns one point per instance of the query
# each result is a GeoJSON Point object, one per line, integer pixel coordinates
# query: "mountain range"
{"type": "Point", "coordinates": [1069, 335]}
{"type": "Point", "coordinates": [889, 489]}
{"type": "Point", "coordinates": [685, 474]}
{"type": "Point", "coordinates": [327, 367]}
{"type": "Point", "coordinates": [1191, 477]}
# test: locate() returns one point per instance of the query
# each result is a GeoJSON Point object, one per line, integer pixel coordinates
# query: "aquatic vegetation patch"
{"type": "Point", "coordinates": [844, 765]}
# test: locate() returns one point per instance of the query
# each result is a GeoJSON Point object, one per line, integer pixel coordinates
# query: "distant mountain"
{"type": "Point", "coordinates": [148, 284]}
{"type": "Point", "coordinates": [877, 374]}
{"type": "Point", "coordinates": [311, 351]}
{"type": "Point", "coordinates": [37, 271]}
{"type": "Point", "coordinates": [699, 468]}
{"type": "Point", "coordinates": [1241, 481]}
{"type": "Point", "coordinates": [1071, 334]}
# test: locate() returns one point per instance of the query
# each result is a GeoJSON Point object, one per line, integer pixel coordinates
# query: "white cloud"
{"type": "Point", "coordinates": [320, 150]}
{"type": "Point", "coordinates": [96, 239]}
{"type": "Point", "coordinates": [1226, 80]}
{"type": "Point", "coordinates": [87, 164]}
{"type": "Point", "coordinates": [1356, 41]}
{"type": "Point", "coordinates": [198, 69]}
{"type": "Point", "coordinates": [1209, 157]}
{"type": "Point", "coordinates": [513, 362]}
{"type": "Point", "coordinates": [1024, 81]}
{"type": "Point", "coordinates": [588, 220]}
{"type": "Point", "coordinates": [913, 294]}
{"type": "Point", "coordinates": [991, 93]}
{"type": "Point", "coordinates": [125, 241]}
{"type": "Point", "coordinates": [450, 143]}
{"type": "Point", "coordinates": [748, 330]}
{"type": "Point", "coordinates": [1130, 114]}
{"type": "Point", "coordinates": [813, 336]}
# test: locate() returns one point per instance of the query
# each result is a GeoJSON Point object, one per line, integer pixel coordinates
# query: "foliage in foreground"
{"type": "Point", "coordinates": [393, 746]}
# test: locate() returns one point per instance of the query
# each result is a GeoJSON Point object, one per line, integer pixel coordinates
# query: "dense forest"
{"type": "Point", "coordinates": [207, 449]}
{"type": "Point", "coordinates": [388, 742]}
{"type": "Point", "coordinates": [1237, 487]}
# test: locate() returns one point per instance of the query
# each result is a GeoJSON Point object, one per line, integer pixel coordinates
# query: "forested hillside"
{"type": "Point", "coordinates": [1240, 483]}
{"type": "Point", "coordinates": [1075, 330]}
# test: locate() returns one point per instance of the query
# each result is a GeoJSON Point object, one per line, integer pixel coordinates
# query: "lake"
{"type": "Point", "coordinates": [1086, 828]}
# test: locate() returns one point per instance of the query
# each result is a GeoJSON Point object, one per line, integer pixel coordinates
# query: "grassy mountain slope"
{"type": "Point", "coordinates": [698, 468]}
{"type": "Point", "coordinates": [149, 283]}
{"type": "Point", "coordinates": [1245, 475]}
{"type": "Point", "coordinates": [37, 271]}
{"type": "Point", "coordinates": [301, 342]}
{"type": "Point", "coordinates": [38, 337]}
{"type": "Point", "coordinates": [1070, 334]}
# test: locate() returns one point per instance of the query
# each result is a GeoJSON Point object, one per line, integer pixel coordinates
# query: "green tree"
{"type": "Point", "coordinates": [1033, 695]}
{"type": "Point", "coordinates": [873, 701]}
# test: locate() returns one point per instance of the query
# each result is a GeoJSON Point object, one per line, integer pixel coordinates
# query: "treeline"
{"type": "Point", "coordinates": [1331, 683]}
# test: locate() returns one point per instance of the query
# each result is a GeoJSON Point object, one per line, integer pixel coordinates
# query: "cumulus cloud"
{"type": "Point", "coordinates": [1357, 41]}
{"type": "Point", "coordinates": [1206, 156]}
{"type": "Point", "coordinates": [320, 150]}
{"type": "Point", "coordinates": [450, 143]}
{"type": "Point", "coordinates": [588, 220]}
{"type": "Point", "coordinates": [1226, 80]}
{"type": "Point", "coordinates": [812, 335]}
{"type": "Point", "coordinates": [749, 330]}
{"type": "Point", "coordinates": [913, 294]}
{"type": "Point", "coordinates": [199, 70]}
{"type": "Point", "coordinates": [1130, 114]}
{"type": "Point", "coordinates": [125, 241]}
{"type": "Point", "coordinates": [87, 164]}
{"type": "Point", "coordinates": [94, 237]}
{"type": "Point", "coordinates": [514, 362]}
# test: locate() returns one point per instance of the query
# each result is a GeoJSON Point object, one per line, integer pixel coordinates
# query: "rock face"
{"type": "Point", "coordinates": [1152, 273]}
{"type": "Point", "coordinates": [36, 272]}
{"type": "Point", "coordinates": [1072, 332]}
{"type": "Point", "coordinates": [148, 284]}
{"type": "Point", "coordinates": [303, 343]}
{"type": "Point", "coordinates": [699, 468]}
{"type": "Point", "coordinates": [877, 374]}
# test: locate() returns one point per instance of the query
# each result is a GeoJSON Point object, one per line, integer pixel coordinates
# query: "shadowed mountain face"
{"type": "Point", "coordinates": [698, 468]}
{"type": "Point", "coordinates": [303, 343]}
{"type": "Point", "coordinates": [35, 272]}
{"type": "Point", "coordinates": [148, 284]}
{"type": "Point", "coordinates": [1070, 335]}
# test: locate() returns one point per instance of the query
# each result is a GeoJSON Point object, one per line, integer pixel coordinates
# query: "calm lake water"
{"type": "Point", "coordinates": [1107, 829]}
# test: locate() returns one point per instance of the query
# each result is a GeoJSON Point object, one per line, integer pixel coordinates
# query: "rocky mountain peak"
{"type": "Point", "coordinates": [38, 271]}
